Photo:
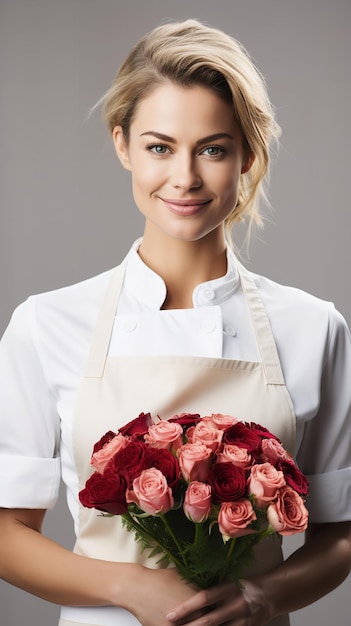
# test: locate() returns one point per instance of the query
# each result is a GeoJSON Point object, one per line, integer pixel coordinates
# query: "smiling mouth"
{"type": "Point", "coordinates": [187, 206]}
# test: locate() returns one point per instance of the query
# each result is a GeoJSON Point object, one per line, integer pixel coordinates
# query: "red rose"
{"type": "Point", "coordinates": [228, 482]}
{"type": "Point", "coordinates": [241, 435]}
{"type": "Point", "coordinates": [293, 476]}
{"type": "Point", "coordinates": [186, 419]}
{"type": "Point", "coordinates": [129, 461]}
{"type": "Point", "coordinates": [164, 461]}
{"type": "Point", "coordinates": [106, 438]}
{"type": "Point", "coordinates": [137, 427]}
{"type": "Point", "coordinates": [105, 492]}
{"type": "Point", "coordinates": [261, 431]}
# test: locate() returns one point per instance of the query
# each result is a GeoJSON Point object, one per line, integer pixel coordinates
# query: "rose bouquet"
{"type": "Point", "coordinates": [198, 492]}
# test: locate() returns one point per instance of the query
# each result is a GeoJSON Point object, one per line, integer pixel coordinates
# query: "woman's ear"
{"type": "Point", "coordinates": [247, 163]}
{"type": "Point", "coordinates": [121, 146]}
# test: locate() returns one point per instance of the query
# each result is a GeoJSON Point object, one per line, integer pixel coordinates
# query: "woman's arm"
{"type": "Point", "coordinates": [37, 564]}
{"type": "Point", "coordinates": [42, 567]}
{"type": "Point", "coordinates": [311, 572]}
{"type": "Point", "coordinates": [314, 570]}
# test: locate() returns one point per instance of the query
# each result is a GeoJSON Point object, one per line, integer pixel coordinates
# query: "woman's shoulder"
{"type": "Point", "coordinates": [298, 311]}
{"type": "Point", "coordinates": [285, 296]}
{"type": "Point", "coordinates": [61, 315]}
{"type": "Point", "coordinates": [76, 297]}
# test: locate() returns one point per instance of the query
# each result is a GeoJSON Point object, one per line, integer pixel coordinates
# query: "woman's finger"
{"type": "Point", "coordinates": [214, 602]}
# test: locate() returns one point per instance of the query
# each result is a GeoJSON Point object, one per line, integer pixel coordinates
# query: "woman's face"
{"type": "Point", "coordinates": [186, 154]}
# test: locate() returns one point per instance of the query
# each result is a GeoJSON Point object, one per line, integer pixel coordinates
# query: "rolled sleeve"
{"type": "Point", "coordinates": [325, 454]}
{"type": "Point", "coordinates": [29, 422]}
{"type": "Point", "coordinates": [29, 482]}
{"type": "Point", "coordinates": [329, 498]}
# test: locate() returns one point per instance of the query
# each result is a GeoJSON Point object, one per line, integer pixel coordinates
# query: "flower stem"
{"type": "Point", "coordinates": [267, 532]}
{"type": "Point", "coordinates": [147, 536]}
{"type": "Point", "coordinates": [171, 533]}
{"type": "Point", "coordinates": [199, 533]}
{"type": "Point", "coordinates": [231, 548]}
{"type": "Point", "coordinates": [227, 558]}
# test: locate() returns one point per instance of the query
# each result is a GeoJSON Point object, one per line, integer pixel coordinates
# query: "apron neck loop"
{"type": "Point", "coordinates": [263, 331]}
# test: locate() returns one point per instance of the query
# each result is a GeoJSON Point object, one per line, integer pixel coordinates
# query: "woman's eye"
{"type": "Point", "coordinates": [158, 148]}
{"type": "Point", "coordinates": [213, 151]}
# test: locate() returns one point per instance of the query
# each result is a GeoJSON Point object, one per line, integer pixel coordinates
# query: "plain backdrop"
{"type": "Point", "coordinates": [66, 206]}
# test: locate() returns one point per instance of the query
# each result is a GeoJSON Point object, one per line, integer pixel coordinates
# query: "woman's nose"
{"type": "Point", "coordinates": [185, 173]}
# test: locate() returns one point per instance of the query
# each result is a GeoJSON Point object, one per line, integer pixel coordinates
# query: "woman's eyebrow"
{"type": "Point", "coordinates": [169, 139]}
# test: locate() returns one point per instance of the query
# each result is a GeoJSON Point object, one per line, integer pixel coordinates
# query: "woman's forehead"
{"type": "Point", "coordinates": [171, 108]}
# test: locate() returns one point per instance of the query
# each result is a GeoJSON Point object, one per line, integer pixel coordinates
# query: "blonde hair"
{"type": "Point", "coordinates": [189, 53]}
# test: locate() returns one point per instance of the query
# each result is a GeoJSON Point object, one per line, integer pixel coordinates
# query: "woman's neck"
{"type": "Point", "coordinates": [183, 265]}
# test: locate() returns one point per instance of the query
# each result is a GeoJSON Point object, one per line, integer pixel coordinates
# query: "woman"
{"type": "Point", "coordinates": [179, 326]}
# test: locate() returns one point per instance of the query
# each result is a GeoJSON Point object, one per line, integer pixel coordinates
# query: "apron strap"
{"type": "Point", "coordinates": [264, 335]}
{"type": "Point", "coordinates": [263, 330]}
{"type": "Point", "coordinates": [102, 336]}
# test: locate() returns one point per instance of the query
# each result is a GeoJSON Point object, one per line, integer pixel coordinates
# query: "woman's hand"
{"type": "Point", "coordinates": [153, 593]}
{"type": "Point", "coordinates": [312, 571]}
{"type": "Point", "coordinates": [224, 604]}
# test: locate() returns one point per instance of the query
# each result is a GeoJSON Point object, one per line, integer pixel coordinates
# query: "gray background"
{"type": "Point", "coordinates": [66, 208]}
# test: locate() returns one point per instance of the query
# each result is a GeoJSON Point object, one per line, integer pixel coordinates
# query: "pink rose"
{"type": "Point", "coordinates": [288, 514]}
{"type": "Point", "coordinates": [272, 450]}
{"type": "Point", "coordinates": [235, 517]}
{"type": "Point", "coordinates": [239, 457]}
{"type": "Point", "coordinates": [165, 435]}
{"type": "Point", "coordinates": [207, 433]}
{"type": "Point", "coordinates": [197, 501]}
{"type": "Point", "coordinates": [263, 483]}
{"type": "Point", "coordinates": [151, 492]}
{"type": "Point", "coordinates": [222, 421]}
{"type": "Point", "coordinates": [101, 457]}
{"type": "Point", "coordinates": [194, 461]}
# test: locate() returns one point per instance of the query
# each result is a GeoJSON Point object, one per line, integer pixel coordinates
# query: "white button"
{"type": "Point", "coordinates": [229, 330]}
{"type": "Point", "coordinates": [129, 325]}
{"type": "Point", "coordinates": [208, 326]}
{"type": "Point", "coordinates": [209, 293]}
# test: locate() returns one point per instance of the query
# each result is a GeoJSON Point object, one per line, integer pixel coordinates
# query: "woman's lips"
{"type": "Point", "coordinates": [189, 206]}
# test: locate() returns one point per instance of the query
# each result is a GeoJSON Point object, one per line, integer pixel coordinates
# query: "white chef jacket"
{"type": "Point", "coordinates": [44, 350]}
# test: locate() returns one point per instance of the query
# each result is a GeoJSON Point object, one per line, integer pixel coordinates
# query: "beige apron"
{"type": "Point", "coordinates": [116, 390]}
